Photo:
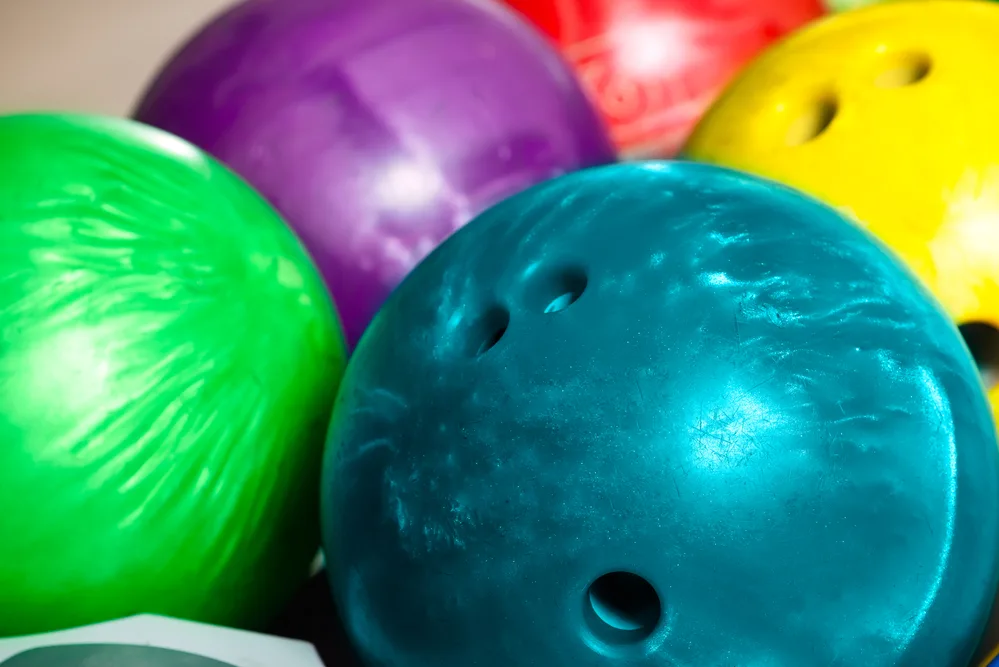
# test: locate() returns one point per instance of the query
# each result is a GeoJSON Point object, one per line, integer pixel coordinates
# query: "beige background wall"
{"type": "Point", "coordinates": [89, 55]}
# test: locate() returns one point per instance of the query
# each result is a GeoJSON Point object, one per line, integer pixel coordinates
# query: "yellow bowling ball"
{"type": "Point", "coordinates": [891, 113]}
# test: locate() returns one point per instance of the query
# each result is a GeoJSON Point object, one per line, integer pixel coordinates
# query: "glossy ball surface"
{"type": "Point", "coordinates": [654, 66]}
{"type": "Point", "coordinates": [888, 113]}
{"type": "Point", "coordinates": [167, 371]}
{"type": "Point", "coordinates": [662, 414]}
{"type": "Point", "coordinates": [377, 127]}
{"type": "Point", "coordinates": [908, 87]}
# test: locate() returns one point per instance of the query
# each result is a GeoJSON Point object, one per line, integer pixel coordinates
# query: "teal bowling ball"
{"type": "Point", "coordinates": [662, 414]}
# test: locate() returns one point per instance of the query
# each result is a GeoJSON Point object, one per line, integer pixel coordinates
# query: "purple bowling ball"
{"type": "Point", "coordinates": [378, 127]}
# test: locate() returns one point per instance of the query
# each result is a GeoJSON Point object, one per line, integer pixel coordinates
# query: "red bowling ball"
{"type": "Point", "coordinates": [654, 66]}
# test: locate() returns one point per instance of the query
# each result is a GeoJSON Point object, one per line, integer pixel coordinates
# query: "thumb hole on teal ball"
{"type": "Point", "coordinates": [622, 608]}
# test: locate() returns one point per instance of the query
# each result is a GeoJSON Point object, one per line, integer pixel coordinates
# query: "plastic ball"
{"type": "Point", "coordinates": [377, 127]}
{"type": "Point", "coordinates": [888, 113]}
{"type": "Point", "coordinates": [662, 414]}
{"type": "Point", "coordinates": [169, 362]}
{"type": "Point", "coordinates": [654, 66]}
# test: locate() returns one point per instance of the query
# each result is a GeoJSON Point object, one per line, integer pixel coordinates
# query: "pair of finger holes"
{"type": "Point", "coordinates": [546, 292]}
{"type": "Point", "coordinates": [902, 69]}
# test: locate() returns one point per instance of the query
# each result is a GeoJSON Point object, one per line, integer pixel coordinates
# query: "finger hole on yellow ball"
{"type": "Point", "coordinates": [982, 340]}
{"type": "Point", "coordinates": [814, 119]}
{"type": "Point", "coordinates": [903, 69]}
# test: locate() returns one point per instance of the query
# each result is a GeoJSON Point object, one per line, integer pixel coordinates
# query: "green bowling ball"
{"type": "Point", "coordinates": [168, 364]}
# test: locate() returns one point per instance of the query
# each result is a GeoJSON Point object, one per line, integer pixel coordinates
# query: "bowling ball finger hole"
{"type": "Point", "coordinates": [982, 340]}
{"type": "Point", "coordinates": [554, 291]}
{"type": "Point", "coordinates": [487, 330]}
{"type": "Point", "coordinates": [622, 608]}
{"type": "Point", "coordinates": [813, 121]}
{"type": "Point", "coordinates": [904, 69]}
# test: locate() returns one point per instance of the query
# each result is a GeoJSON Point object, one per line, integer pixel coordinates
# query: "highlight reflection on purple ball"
{"type": "Point", "coordinates": [378, 127]}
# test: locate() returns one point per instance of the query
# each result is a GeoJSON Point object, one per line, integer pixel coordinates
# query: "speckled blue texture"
{"type": "Point", "coordinates": [751, 405]}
